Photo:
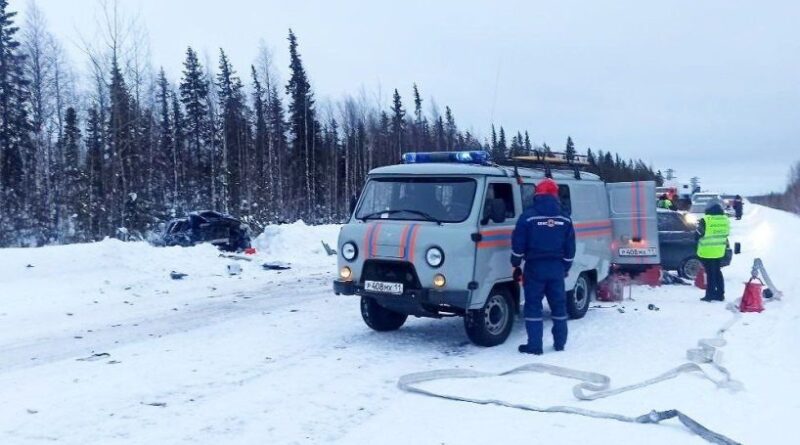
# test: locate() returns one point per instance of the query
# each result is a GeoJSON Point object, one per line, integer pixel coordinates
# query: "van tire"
{"type": "Point", "coordinates": [379, 318]}
{"type": "Point", "coordinates": [578, 298]}
{"type": "Point", "coordinates": [491, 325]}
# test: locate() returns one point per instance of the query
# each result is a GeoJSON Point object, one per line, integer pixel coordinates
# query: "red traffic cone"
{"type": "Point", "coordinates": [751, 300]}
{"type": "Point", "coordinates": [700, 278]}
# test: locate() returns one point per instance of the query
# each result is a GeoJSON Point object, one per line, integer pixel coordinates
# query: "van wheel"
{"type": "Point", "coordinates": [379, 318]}
{"type": "Point", "coordinates": [491, 325]}
{"type": "Point", "coordinates": [689, 268]}
{"type": "Point", "coordinates": [579, 297]}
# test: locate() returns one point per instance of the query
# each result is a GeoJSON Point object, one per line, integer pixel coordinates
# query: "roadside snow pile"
{"type": "Point", "coordinates": [295, 242]}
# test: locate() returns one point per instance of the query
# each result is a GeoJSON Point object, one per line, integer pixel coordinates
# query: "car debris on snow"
{"type": "Point", "coordinates": [330, 251]}
{"type": "Point", "coordinates": [157, 404]}
{"type": "Point", "coordinates": [275, 266]}
{"type": "Point", "coordinates": [94, 357]}
{"type": "Point", "coordinates": [177, 275]}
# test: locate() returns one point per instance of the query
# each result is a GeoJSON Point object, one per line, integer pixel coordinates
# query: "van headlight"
{"type": "Point", "coordinates": [349, 251]}
{"type": "Point", "coordinates": [434, 257]}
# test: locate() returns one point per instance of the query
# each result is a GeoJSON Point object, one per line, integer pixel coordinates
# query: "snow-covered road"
{"type": "Point", "coordinates": [275, 357]}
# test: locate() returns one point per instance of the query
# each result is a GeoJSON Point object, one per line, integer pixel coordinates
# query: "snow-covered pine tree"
{"type": "Point", "coordinates": [16, 149]}
{"type": "Point", "coordinates": [569, 150]}
{"type": "Point", "coordinates": [304, 129]}
{"type": "Point", "coordinates": [502, 148]}
{"type": "Point", "coordinates": [166, 143]}
{"type": "Point", "coordinates": [527, 146]}
{"type": "Point", "coordinates": [450, 129]}
{"type": "Point", "coordinates": [398, 127]}
{"type": "Point", "coordinates": [235, 137]}
{"type": "Point", "coordinates": [76, 215]}
{"type": "Point", "coordinates": [263, 186]}
{"type": "Point", "coordinates": [194, 96]}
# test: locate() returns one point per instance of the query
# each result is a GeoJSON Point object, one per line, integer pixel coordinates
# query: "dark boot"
{"type": "Point", "coordinates": [525, 349]}
{"type": "Point", "coordinates": [558, 347]}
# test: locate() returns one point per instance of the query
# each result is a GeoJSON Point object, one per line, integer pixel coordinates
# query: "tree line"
{"type": "Point", "coordinates": [789, 199]}
{"type": "Point", "coordinates": [119, 150]}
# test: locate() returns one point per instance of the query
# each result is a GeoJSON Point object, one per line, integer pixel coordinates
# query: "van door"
{"type": "Point", "coordinates": [632, 210]}
{"type": "Point", "coordinates": [493, 249]}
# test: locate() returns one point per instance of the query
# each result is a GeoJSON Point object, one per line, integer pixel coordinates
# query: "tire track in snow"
{"type": "Point", "coordinates": [118, 333]}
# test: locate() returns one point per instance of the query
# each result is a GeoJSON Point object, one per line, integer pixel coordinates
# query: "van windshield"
{"type": "Point", "coordinates": [414, 198]}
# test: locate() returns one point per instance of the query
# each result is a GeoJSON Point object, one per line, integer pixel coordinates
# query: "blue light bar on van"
{"type": "Point", "coordinates": [464, 157]}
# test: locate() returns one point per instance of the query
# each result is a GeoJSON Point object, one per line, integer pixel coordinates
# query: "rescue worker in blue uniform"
{"type": "Point", "coordinates": [545, 239]}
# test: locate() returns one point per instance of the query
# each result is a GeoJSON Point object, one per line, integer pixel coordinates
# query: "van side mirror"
{"type": "Point", "coordinates": [495, 211]}
{"type": "Point", "coordinates": [737, 248]}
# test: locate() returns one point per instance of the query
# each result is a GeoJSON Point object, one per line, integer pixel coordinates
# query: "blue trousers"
{"type": "Point", "coordinates": [535, 290]}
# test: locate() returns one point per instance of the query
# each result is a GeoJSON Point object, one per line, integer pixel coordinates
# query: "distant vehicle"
{"type": "Point", "coordinates": [727, 201]}
{"type": "Point", "coordinates": [680, 193]}
{"type": "Point", "coordinates": [219, 229]}
{"type": "Point", "coordinates": [678, 244]}
{"type": "Point", "coordinates": [698, 207]}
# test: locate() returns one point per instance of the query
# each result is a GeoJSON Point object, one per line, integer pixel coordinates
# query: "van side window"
{"type": "Point", "coordinates": [528, 190]}
{"type": "Point", "coordinates": [566, 200]}
{"type": "Point", "coordinates": [504, 191]}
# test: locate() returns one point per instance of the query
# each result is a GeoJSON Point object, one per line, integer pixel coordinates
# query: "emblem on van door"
{"type": "Point", "coordinates": [550, 223]}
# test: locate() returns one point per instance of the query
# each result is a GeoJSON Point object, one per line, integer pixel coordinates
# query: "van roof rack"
{"type": "Point", "coordinates": [555, 161]}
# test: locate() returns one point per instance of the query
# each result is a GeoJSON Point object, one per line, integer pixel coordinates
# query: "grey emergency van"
{"type": "Point", "coordinates": [432, 238]}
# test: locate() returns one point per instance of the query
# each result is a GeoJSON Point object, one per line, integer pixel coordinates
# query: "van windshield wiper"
{"type": "Point", "coordinates": [425, 215]}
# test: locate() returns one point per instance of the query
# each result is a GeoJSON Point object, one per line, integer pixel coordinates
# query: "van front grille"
{"type": "Point", "coordinates": [391, 271]}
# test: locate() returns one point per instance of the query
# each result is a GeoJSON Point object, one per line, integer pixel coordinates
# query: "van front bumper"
{"type": "Point", "coordinates": [422, 302]}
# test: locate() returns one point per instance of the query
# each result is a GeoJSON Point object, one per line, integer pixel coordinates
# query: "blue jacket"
{"type": "Point", "coordinates": [543, 233]}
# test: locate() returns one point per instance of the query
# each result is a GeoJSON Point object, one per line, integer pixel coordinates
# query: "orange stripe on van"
{"type": "Point", "coordinates": [413, 243]}
{"type": "Point", "coordinates": [497, 232]}
{"type": "Point", "coordinates": [375, 234]}
{"type": "Point", "coordinates": [593, 233]}
{"type": "Point", "coordinates": [495, 243]}
{"type": "Point", "coordinates": [402, 249]}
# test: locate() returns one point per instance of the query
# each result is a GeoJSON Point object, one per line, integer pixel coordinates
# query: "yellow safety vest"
{"type": "Point", "coordinates": [712, 245]}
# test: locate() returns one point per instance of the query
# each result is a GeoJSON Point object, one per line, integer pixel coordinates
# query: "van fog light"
{"type": "Point", "coordinates": [345, 273]}
{"type": "Point", "coordinates": [439, 280]}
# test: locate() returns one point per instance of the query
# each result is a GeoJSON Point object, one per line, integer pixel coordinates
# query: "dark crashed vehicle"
{"type": "Point", "coordinates": [220, 229]}
{"type": "Point", "coordinates": [677, 240]}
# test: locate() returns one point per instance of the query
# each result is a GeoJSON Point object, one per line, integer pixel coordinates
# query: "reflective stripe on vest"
{"type": "Point", "coordinates": [712, 245]}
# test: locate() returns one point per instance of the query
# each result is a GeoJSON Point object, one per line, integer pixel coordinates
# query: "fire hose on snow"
{"type": "Point", "coordinates": [593, 386]}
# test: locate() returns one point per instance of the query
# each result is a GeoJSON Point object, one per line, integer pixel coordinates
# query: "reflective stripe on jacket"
{"type": "Point", "coordinates": [714, 240]}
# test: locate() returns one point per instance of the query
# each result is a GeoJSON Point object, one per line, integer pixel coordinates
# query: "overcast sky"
{"type": "Point", "coordinates": [710, 88]}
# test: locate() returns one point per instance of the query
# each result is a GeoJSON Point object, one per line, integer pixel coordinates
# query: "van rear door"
{"type": "Point", "coordinates": [632, 210]}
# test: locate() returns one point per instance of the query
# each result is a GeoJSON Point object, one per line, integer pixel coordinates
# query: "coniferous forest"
{"type": "Point", "coordinates": [118, 149]}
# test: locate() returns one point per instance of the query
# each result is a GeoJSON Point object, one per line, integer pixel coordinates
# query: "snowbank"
{"type": "Point", "coordinates": [296, 242]}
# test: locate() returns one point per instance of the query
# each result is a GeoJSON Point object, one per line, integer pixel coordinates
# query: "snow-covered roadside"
{"type": "Point", "coordinates": [268, 357]}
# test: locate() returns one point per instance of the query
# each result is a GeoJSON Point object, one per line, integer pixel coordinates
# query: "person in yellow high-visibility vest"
{"type": "Point", "coordinates": [712, 240]}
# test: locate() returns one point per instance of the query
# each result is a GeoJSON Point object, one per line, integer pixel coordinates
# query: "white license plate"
{"type": "Point", "coordinates": [384, 287]}
{"type": "Point", "coordinates": [638, 251]}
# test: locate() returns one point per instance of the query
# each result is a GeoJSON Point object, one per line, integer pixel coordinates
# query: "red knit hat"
{"type": "Point", "coordinates": [547, 187]}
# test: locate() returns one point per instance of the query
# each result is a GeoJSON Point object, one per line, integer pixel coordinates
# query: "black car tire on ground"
{"type": "Point", "coordinates": [689, 268]}
{"type": "Point", "coordinates": [491, 325]}
{"type": "Point", "coordinates": [379, 318]}
{"type": "Point", "coordinates": [578, 298]}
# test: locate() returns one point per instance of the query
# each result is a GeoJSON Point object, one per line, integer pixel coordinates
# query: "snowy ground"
{"type": "Point", "coordinates": [275, 357]}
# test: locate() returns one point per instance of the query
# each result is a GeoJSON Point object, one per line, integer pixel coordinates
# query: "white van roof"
{"type": "Point", "coordinates": [453, 168]}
